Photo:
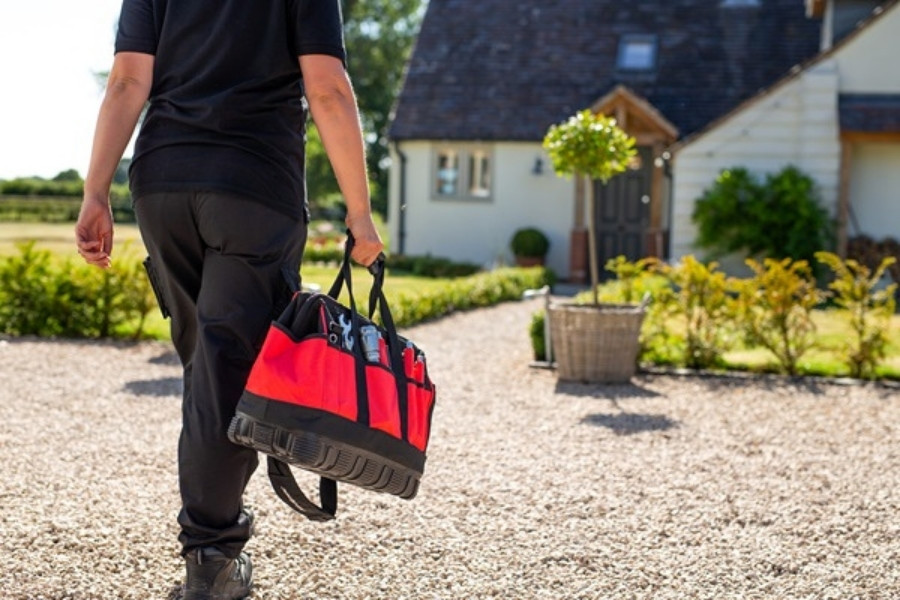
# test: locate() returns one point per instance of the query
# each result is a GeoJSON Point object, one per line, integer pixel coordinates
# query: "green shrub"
{"type": "Point", "coordinates": [25, 297]}
{"type": "Point", "coordinates": [45, 295]}
{"type": "Point", "coordinates": [536, 333]}
{"type": "Point", "coordinates": [780, 218]}
{"type": "Point", "coordinates": [775, 308]}
{"type": "Point", "coordinates": [529, 242]}
{"type": "Point", "coordinates": [855, 289]}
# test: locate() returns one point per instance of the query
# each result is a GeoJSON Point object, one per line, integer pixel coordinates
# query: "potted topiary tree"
{"type": "Point", "coordinates": [593, 342]}
{"type": "Point", "coordinates": [529, 245]}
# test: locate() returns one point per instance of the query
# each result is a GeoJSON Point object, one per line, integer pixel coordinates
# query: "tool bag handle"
{"type": "Point", "coordinates": [280, 476]}
{"type": "Point", "coordinates": [377, 300]}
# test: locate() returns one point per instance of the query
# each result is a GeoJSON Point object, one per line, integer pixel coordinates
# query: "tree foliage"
{"type": "Point", "coordinates": [589, 144]}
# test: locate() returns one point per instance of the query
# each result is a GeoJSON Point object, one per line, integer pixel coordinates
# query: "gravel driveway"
{"type": "Point", "coordinates": [666, 488]}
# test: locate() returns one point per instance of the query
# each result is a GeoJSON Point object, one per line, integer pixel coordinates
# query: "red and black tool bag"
{"type": "Point", "coordinates": [317, 400]}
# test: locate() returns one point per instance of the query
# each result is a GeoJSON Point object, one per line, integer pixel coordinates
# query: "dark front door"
{"type": "Point", "coordinates": [622, 212]}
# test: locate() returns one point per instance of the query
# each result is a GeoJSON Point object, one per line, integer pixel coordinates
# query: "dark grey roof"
{"type": "Point", "coordinates": [870, 112]}
{"type": "Point", "coordinates": [507, 69]}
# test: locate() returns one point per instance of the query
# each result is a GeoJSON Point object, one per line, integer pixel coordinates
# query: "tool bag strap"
{"type": "Point", "coordinates": [280, 475]}
{"type": "Point", "coordinates": [286, 487]}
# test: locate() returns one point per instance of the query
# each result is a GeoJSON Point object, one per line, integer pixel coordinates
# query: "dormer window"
{"type": "Point", "coordinates": [739, 3]}
{"type": "Point", "coordinates": [637, 53]}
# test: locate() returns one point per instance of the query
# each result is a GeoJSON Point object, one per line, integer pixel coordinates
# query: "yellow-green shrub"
{"type": "Point", "coordinates": [855, 289]}
{"type": "Point", "coordinates": [775, 308]}
{"type": "Point", "coordinates": [699, 299]}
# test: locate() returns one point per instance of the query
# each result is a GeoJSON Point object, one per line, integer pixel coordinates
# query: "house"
{"type": "Point", "coordinates": [702, 84]}
{"type": "Point", "coordinates": [836, 117]}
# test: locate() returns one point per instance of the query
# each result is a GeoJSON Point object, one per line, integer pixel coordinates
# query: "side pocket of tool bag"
{"type": "Point", "coordinates": [153, 276]}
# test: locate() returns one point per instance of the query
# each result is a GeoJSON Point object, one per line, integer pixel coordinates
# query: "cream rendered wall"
{"type": "Point", "coordinates": [875, 190]}
{"type": "Point", "coordinates": [479, 231]}
{"type": "Point", "coordinates": [868, 62]}
{"type": "Point", "coordinates": [795, 124]}
{"type": "Point", "coordinates": [868, 65]}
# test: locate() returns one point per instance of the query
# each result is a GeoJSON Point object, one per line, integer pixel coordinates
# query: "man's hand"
{"type": "Point", "coordinates": [94, 232]}
{"type": "Point", "coordinates": [368, 243]}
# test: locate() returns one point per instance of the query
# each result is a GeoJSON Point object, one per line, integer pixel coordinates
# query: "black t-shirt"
{"type": "Point", "coordinates": [226, 109]}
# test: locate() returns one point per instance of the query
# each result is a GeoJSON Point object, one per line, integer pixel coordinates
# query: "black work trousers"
{"type": "Point", "coordinates": [225, 266]}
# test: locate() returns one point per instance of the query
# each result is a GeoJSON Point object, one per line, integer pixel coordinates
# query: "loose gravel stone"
{"type": "Point", "coordinates": [666, 488]}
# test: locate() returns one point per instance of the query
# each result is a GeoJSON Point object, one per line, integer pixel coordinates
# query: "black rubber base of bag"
{"type": "Point", "coordinates": [324, 454]}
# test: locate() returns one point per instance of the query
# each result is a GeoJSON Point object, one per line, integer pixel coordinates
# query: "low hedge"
{"type": "Point", "coordinates": [331, 251]}
{"type": "Point", "coordinates": [59, 209]}
{"type": "Point", "coordinates": [475, 291]}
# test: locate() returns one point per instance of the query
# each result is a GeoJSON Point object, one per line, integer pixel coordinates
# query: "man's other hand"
{"type": "Point", "coordinates": [94, 232]}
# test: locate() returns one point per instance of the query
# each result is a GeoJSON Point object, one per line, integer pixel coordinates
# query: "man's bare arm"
{"type": "Point", "coordinates": [127, 91]}
{"type": "Point", "coordinates": [336, 115]}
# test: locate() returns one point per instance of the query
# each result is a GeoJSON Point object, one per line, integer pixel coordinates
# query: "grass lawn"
{"type": "Point", "coordinates": [58, 237]}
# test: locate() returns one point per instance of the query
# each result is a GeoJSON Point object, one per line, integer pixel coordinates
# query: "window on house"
{"type": "Point", "coordinates": [637, 53]}
{"type": "Point", "coordinates": [448, 173]}
{"type": "Point", "coordinates": [463, 173]}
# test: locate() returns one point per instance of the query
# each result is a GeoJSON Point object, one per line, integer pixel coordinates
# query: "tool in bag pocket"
{"type": "Point", "coordinates": [334, 393]}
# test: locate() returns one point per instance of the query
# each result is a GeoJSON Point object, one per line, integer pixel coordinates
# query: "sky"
{"type": "Point", "coordinates": [49, 97]}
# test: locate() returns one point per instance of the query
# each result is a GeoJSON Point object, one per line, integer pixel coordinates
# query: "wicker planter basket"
{"type": "Point", "coordinates": [596, 343]}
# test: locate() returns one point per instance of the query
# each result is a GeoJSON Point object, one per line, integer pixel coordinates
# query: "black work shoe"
{"type": "Point", "coordinates": [213, 576]}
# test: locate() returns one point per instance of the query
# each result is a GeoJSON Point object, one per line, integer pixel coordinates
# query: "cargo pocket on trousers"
{"type": "Point", "coordinates": [288, 285]}
{"type": "Point", "coordinates": [153, 276]}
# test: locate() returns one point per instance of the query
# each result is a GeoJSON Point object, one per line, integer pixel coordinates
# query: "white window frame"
{"type": "Point", "coordinates": [474, 163]}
